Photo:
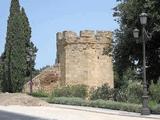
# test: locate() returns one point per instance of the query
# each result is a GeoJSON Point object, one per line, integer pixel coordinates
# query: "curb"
{"type": "Point", "coordinates": [107, 111]}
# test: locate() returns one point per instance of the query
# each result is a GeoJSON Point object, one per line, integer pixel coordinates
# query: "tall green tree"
{"type": "Point", "coordinates": [17, 41]}
{"type": "Point", "coordinates": [13, 31]}
{"type": "Point", "coordinates": [28, 43]}
{"type": "Point", "coordinates": [127, 53]}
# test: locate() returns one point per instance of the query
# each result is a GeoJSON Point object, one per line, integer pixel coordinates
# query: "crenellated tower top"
{"type": "Point", "coordinates": [86, 36]}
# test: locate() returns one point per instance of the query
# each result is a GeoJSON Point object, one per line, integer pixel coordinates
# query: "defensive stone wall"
{"type": "Point", "coordinates": [82, 58]}
{"type": "Point", "coordinates": [47, 80]}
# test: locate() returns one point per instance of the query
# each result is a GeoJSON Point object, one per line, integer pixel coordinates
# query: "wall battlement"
{"type": "Point", "coordinates": [85, 36]}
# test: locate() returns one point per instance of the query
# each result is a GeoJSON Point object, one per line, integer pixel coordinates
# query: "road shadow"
{"type": "Point", "coordinates": [14, 116]}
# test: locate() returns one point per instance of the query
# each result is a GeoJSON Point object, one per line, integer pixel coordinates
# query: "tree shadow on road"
{"type": "Point", "coordinates": [14, 116]}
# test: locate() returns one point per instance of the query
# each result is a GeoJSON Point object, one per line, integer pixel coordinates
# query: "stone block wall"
{"type": "Point", "coordinates": [82, 59]}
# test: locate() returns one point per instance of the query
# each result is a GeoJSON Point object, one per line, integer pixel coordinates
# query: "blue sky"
{"type": "Point", "coordinates": [47, 17]}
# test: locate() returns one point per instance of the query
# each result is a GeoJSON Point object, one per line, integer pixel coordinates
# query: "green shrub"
{"type": "Point", "coordinates": [71, 91]}
{"type": "Point", "coordinates": [69, 101]}
{"type": "Point", "coordinates": [156, 109]}
{"type": "Point", "coordinates": [97, 103]}
{"type": "Point", "coordinates": [104, 92]}
{"type": "Point", "coordinates": [154, 90]}
{"type": "Point", "coordinates": [130, 94]}
{"type": "Point", "coordinates": [120, 95]}
{"type": "Point", "coordinates": [152, 104]}
{"type": "Point", "coordinates": [134, 92]}
{"type": "Point", "coordinates": [79, 91]}
{"type": "Point", "coordinates": [116, 105]}
{"type": "Point", "coordinates": [40, 93]}
{"type": "Point", "coordinates": [61, 92]}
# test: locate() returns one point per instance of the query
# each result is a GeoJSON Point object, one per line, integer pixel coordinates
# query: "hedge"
{"type": "Point", "coordinates": [97, 103]}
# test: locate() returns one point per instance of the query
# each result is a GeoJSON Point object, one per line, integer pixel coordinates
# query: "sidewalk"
{"type": "Point", "coordinates": [107, 111]}
{"type": "Point", "coordinates": [67, 112]}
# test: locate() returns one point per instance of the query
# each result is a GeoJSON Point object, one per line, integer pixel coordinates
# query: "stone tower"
{"type": "Point", "coordinates": [82, 59]}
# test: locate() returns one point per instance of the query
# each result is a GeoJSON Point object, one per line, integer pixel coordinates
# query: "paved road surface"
{"type": "Point", "coordinates": [14, 116]}
{"type": "Point", "coordinates": [62, 112]}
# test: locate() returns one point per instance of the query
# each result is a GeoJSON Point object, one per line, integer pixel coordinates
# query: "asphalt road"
{"type": "Point", "coordinates": [13, 116]}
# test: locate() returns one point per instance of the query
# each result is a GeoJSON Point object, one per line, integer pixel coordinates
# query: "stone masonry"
{"type": "Point", "coordinates": [82, 58]}
{"type": "Point", "coordinates": [47, 80]}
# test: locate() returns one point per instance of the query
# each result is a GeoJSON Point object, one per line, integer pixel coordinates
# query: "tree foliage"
{"type": "Point", "coordinates": [15, 53]}
{"type": "Point", "coordinates": [127, 53]}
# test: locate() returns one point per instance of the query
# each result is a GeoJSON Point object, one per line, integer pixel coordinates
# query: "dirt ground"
{"type": "Point", "coordinates": [20, 99]}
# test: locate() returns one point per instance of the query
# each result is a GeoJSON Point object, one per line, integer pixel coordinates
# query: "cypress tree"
{"type": "Point", "coordinates": [18, 57]}
{"type": "Point", "coordinates": [26, 28]}
{"type": "Point", "coordinates": [17, 41]}
{"type": "Point", "coordinates": [11, 37]}
{"type": "Point", "coordinates": [27, 36]}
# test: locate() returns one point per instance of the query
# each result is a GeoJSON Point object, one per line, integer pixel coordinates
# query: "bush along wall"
{"type": "Point", "coordinates": [71, 91]}
{"type": "Point", "coordinates": [97, 103]}
{"type": "Point", "coordinates": [127, 99]}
